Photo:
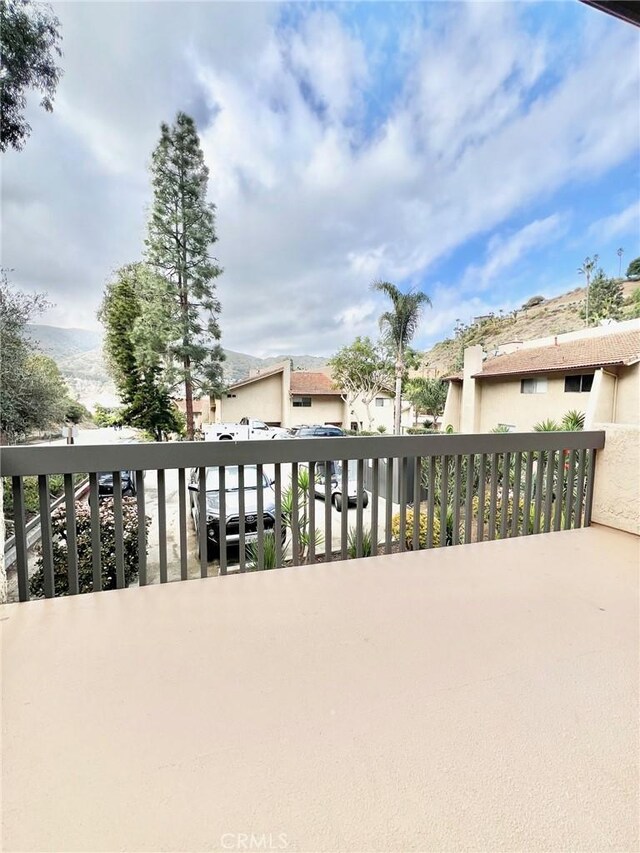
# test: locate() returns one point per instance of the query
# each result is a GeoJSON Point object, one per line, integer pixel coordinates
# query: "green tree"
{"type": "Point", "coordinates": [146, 403]}
{"type": "Point", "coordinates": [76, 413]}
{"type": "Point", "coordinates": [181, 230]}
{"type": "Point", "coordinates": [607, 299]}
{"type": "Point", "coordinates": [399, 326]}
{"type": "Point", "coordinates": [34, 395]}
{"type": "Point", "coordinates": [634, 304]}
{"type": "Point", "coordinates": [30, 43]}
{"type": "Point", "coordinates": [105, 416]}
{"type": "Point", "coordinates": [428, 396]}
{"type": "Point", "coordinates": [46, 391]}
{"type": "Point", "coordinates": [362, 370]}
{"type": "Point", "coordinates": [633, 268]}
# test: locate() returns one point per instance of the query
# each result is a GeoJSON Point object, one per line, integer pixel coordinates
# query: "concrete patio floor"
{"type": "Point", "coordinates": [477, 698]}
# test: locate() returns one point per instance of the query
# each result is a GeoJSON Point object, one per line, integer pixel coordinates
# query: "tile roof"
{"type": "Point", "coordinates": [307, 382]}
{"type": "Point", "coordinates": [615, 349]}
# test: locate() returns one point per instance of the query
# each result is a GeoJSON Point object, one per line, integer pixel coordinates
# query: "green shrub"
{"type": "Point", "coordinates": [105, 416]}
{"type": "Point", "coordinates": [352, 543]}
{"type": "Point", "coordinates": [31, 494]}
{"type": "Point", "coordinates": [535, 300]}
{"type": "Point", "coordinates": [423, 527]}
{"type": "Point", "coordinates": [83, 538]}
{"type": "Point", "coordinates": [498, 519]}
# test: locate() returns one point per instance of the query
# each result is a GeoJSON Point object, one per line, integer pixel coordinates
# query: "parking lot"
{"type": "Point", "coordinates": [173, 527]}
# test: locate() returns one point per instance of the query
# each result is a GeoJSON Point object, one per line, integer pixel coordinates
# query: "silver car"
{"type": "Point", "coordinates": [334, 471]}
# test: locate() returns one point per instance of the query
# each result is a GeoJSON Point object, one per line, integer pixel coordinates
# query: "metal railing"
{"type": "Point", "coordinates": [467, 488]}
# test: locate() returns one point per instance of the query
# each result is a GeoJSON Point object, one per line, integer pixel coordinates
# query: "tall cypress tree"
{"type": "Point", "coordinates": [181, 231]}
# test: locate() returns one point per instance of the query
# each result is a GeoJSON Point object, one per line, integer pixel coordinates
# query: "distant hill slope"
{"type": "Point", "coordinates": [78, 354]}
{"type": "Point", "coordinates": [239, 364]}
{"type": "Point", "coordinates": [550, 317]}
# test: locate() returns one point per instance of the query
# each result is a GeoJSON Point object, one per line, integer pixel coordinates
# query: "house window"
{"type": "Point", "coordinates": [536, 385]}
{"type": "Point", "coordinates": [582, 382]}
{"type": "Point", "coordinates": [302, 402]}
{"type": "Point", "coordinates": [379, 401]}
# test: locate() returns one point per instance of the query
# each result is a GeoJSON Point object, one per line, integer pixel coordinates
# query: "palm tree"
{"type": "Point", "coordinates": [399, 326]}
{"type": "Point", "coordinates": [588, 266]}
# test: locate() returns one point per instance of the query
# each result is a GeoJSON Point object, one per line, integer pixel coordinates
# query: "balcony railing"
{"type": "Point", "coordinates": [467, 488]}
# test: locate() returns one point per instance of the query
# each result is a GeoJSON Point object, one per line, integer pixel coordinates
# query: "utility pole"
{"type": "Point", "coordinates": [620, 254]}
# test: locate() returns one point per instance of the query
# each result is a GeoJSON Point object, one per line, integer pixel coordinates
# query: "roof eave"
{"type": "Point", "coordinates": [625, 10]}
{"type": "Point", "coordinates": [257, 378]}
{"type": "Point", "coordinates": [565, 368]}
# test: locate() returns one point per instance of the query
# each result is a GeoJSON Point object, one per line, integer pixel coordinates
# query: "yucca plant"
{"type": "Point", "coordinates": [305, 535]}
{"type": "Point", "coordinates": [352, 543]}
{"type": "Point", "coordinates": [573, 421]}
{"type": "Point", "coordinates": [547, 425]}
{"type": "Point", "coordinates": [270, 553]}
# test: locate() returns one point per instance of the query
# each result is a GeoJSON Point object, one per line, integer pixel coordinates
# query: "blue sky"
{"type": "Point", "coordinates": [478, 151]}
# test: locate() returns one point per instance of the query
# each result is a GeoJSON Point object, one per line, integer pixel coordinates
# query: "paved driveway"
{"type": "Point", "coordinates": [173, 527]}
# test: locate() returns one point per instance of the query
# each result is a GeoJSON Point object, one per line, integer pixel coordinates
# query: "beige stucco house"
{"type": "Point", "coordinates": [595, 371]}
{"type": "Point", "coordinates": [203, 412]}
{"type": "Point", "coordinates": [281, 396]}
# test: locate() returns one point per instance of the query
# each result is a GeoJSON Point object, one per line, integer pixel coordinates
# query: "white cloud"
{"type": "Point", "coordinates": [623, 223]}
{"type": "Point", "coordinates": [323, 180]}
{"type": "Point", "coordinates": [504, 252]}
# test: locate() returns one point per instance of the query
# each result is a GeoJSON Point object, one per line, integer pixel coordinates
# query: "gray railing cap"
{"type": "Point", "coordinates": [29, 461]}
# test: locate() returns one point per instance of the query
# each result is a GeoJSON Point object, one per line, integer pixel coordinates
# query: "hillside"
{"type": "Point", "coordinates": [78, 354]}
{"type": "Point", "coordinates": [550, 317]}
{"type": "Point", "coordinates": [239, 364]}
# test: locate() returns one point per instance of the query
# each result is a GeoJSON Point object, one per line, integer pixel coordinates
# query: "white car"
{"type": "Point", "coordinates": [335, 472]}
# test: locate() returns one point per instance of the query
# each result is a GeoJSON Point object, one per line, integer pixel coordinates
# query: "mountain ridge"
{"type": "Point", "coordinates": [78, 354]}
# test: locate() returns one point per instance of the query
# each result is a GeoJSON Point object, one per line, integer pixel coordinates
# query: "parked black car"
{"type": "Point", "coordinates": [128, 482]}
{"type": "Point", "coordinates": [232, 504]}
{"type": "Point", "coordinates": [318, 431]}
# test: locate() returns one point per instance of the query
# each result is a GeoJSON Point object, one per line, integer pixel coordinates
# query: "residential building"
{"type": "Point", "coordinates": [594, 371]}
{"type": "Point", "coordinates": [203, 410]}
{"type": "Point", "coordinates": [281, 396]}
